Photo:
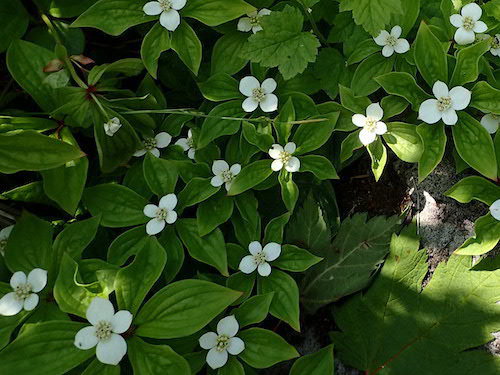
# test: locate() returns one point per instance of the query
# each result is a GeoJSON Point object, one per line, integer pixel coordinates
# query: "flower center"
{"type": "Point", "coordinates": [3, 245]}
{"type": "Point", "coordinates": [495, 42]}
{"type": "Point", "coordinates": [391, 41]}
{"type": "Point", "coordinates": [258, 94]}
{"type": "Point", "coordinates": [161, 214]}
{"type": "Point", "coordinates": [259, 258]}
{"type": "Point", "coordinates": [285, 156]}
{"type": "Point", "coordinates": [190, 142]}
{"type": "Point", "coordinates": [103, 330]}
{"type": "Point", "coordinates": [444, 103]}
{"type": "Point", "coordinates": [149, 143]}
{"type": "Point", "coordinates": [166, 5]}
{"type": "Point", "coordinates": [468, 23]}
{"type": "Point", "coordinates": [227, 176]}
{"type": "Point", "coordinates": [222, 343]}
{"type": "Point", "coordinates": [371, 124]}
{"type": "Point", "coordinates": [23, 291]}
{"type": "Point", "coordinates": [255, 21]}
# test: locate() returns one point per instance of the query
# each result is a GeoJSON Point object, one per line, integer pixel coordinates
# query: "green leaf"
{"type": "Point", "coordinates": [459, 302]}
{"type": "Point", "coordinates": [404, 140]}
{"type": "Point", "coordinates": [156, 41]}
{"type": "Point", "coordinates": [378, 154]}
{"type": "Point", "coordinates": [31, 151]}
{"type": "Point", "coordinates": [216, 12]}
{"type": "Point", "coordinates": [226, 53]}
{"type": "Point", "coordinates": [474, 145]}
{"type": "Point", "coordinates": [320, 166]}
{"type": "Point", "coordinates": [197, 190]}
{"type": "Point", "coordinates": [434, 140]}
{"type": "Point", "coordinates": [48, 345]}
{"type": "Point", "coordinates": [355, 104]}
{"type": "Point", "coordinates": [187, 45]}
{"type": "Point", "coordinates": [232, 367]}
{"type": "Point", "coordinates": [282, 43]}
{"type": "Point", "coordinates": [133, 282]}
{"type": "Point", "coordinates": [113, 16]}
{"type": "Point", "coordinates": [209, 249]}
{"type": "Point", "coordinates": [9, 123]}
{"type": "Point", "coordinates": [155, 359]}
{"type": "Point", "coordinates": [362, 51]}
{"type": "Point", "coordinates": [217, 126]}
{"type": "Point", "coordinates": [295, 259]}
{"type": "Point", "coordinates": [404, 85]}
{"type": "Point", "coordinates": [175, 253]}
{"type": "Point", "coordinates": [118, 206]}
{"type": "Point", "coordinates": [243, 283]}
{"type": "Point", "coordinates": [265, 348]}
{"type": "Point", "coordinates": [161, 175]}
{"type": "Point", "coordinates": [363, 81]}
{"type": "Point", "coordinates": [350, 144]}
{"type": "Point", "coordinates": [129, 67]}
{"type": "Point", "coordinates": [14, 20]}
{"type": "Point", "coordinates": [75, 237]}
{"type": "Point", "coordinates": [213, 212]}
{"type": "Point", "coordinates": [183, 308]}
{"type": "Point", "coordinates": [274, 229]}
{"type": "Point", "coordinates": [313, 135]}
{"type": "Point", "coordinates": [486, 237]}
{"type": "Point", "coordinates": [317, 363]}
{"type": "Point", "coordinates": [8, 324]}
{"type": "Point", "coordinates": [285, 304]}
{"type": "Point", "coordinates": [485, 98]}
{"type": "Point", "coordinates": [246, 220]}
{"type": "Point", "coordinates": [357, 250]}
{"type": "Point", "coordinates": [127, 244]}
{"type": "Point", "coordinates": [220, 87]}
{"type": "Point", "coordinates": [474, 187]}
{"type": "Point", "coordinates": [289, 190]}
{"type": "Point", "coordinates": [430, 56]}
{"type": "Point", "coordinates": [98, 368]}
{"type": "Point", "coordinates": [254, 310]}
{"type": "Point", "coordinates": [393, 106]}
{"type": "Point", "coordinates": [373, 15]}
{"type": "Point", "coordinates": [250, 176]}
{"type": "Point", "coordinates": [467, 66]}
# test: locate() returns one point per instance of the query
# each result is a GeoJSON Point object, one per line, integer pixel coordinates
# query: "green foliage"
{"type": "Point", "coordinates": [373, 15]}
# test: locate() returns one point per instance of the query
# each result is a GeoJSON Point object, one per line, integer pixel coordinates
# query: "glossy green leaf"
{"type": "Point", "coordinates": [430, 56]}
{"type": "Point", "coordinates": [434, 141]}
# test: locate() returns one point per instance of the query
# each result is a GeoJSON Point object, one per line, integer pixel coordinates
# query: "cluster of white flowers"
{"type": "Point", "coordinates": [468, 24]}
{"type": "Point", "coordinates": [223, 174]}
{"type": "Point", "coordinates": [392, 41]}
{"type": "Point", "coordinates": [495, 209]}
{"type": "Point", "coordinates": [161, 215]}
{"type": "Point", "coordinates": [259, 258]}
{"type": "Point", "coordinates": [252, 21]}
{"type": "Point", "coordinates": [259, 95]}
{"type": "Point", "coordinates": [112, 126]}
{"type": "Point", "coordinates": [161, 140]}
{"type": "Point", "coordinates": [168, 10]}
{"type": "Point", "coordinates": [24, 292]}
{"type": "Point", "coordinates": [370, 124]}
{"type": "Point", "coordinates": [283, 157]}
{"type": "Point", "coordinates": [223, 342]}
{"type": "Point", "coordinates": [105, 331]}
{"type": "Point", "coordinates": [4, 236]}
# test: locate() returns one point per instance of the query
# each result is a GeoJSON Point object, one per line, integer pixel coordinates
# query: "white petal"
{"type": "Point", "coordinates": [171, 217]}
{"type": "Point", "coordinates": [227, 185]}
{"type": "Point", "coordinates": [31, 302]}
{"type": "Point", "coordinates": [168, 202]}
{"type": "Point", "coordinates": [219, 166]}
{"type": "Point", "coordinates": [163, 139]}
{"type": "Point", "coordinates": [100, 309]}
{"type": "Point", "coordinates": [248, 84]}
{"type": "Point", "coordinates": [396, 31]}
{"type": "Point", "coordinates": [429, 112]}
{"type": "Point", "coordinates": [440, 89]}
{"type": "Point", "coordinates": [153, 8]}
{"type": "Point", "coordinates": [457, 20]}
{"type": "Point", "coordinates": [275, 151]}
{"type": "Point", "coordinates": [460, 97]}
{"type": "Point", "coordinates": [170, 20]}
{"type": "Point", "coordinates": [244, 24]}
{"type": "Point", "coordinates": [290, 147]}
{"type": "Point", "coordinates": [463, 36]}
{"type": "Point", "coordinates": [366, 137]}
{"type": "Point", "coordinates": [254, 247]}
{"type": "Point", "coordinates": [5, 232]}
{"type": "Point", "coordinates": [270, 103]}
{"type": "Point", "coordinates": [380, 128]}
{"type": "Point", "coordinates": [86, 338]}
{"type": "Point", "coordinates": [235, 346]}
{"type": "Point", "coordinates": [490, 123]}
{"type": "Point", "coordinates": [375, 111]}
{"type": "Point", "coordinates": [480, 27]}
{"type": "Point", "coordinates": [191, 153]}
{"type": "Point", "coordinates": [208, 340]}
{"type": "Point", "coordinates": [256, 29]}
{"type": "Point", "coordinates": [17, 279]}
{"type": "Point", "coordinates": [264, 269]}
{"type": "Point", "coordinates": [359, 120]}
{"type": "Point", "coordinates": [387, 51]}
{"type": "Point", "coordinates": [472, 10]}
{"type": "Point", "coordinates": [121, 321]}
{"type": "Point", "coordinates": [178, 4]}
{"type": "Point", "coordinates": [155, 152]}
{"type": "Point", "coordinates": [402, 46]}
{"type": "Point", "coordinates": [111, 351]}
{"type": "Point", "coordinates": [38, 279]}
{"type": "Point", "coordinates": [272, 251]}
{"type": "Point", "coordinates": [277, 165]}
{"type": "Point", "coordinates": [139, 153]}
{"type": "Point", "coordinates": [216, 181]}
{"type": "Point", "coordinates": [495, 209]}
{"type": "Point", "coordinates": [154, 226]}
{"type": "Point", "coordinates": [216, 359]}
{"type": "Point", "coordinates": [264, 12]}
{"type": "Point", "coordinates": [293, 165]}
{"type": "Point", "coordinates": [250, 104]}
{"type": "Point", "coordinates": [247, 264]}
{"type": "Point", "coordinates": [150, 210]}
{"type": "Point", "coordinates": [450, 117]}
{"type": "Point", "coordinates": [269, 85]}
{"type": "Point", "coordinates": [381, 39]}
{"type": "Point", "coordinates": [183, 143]}
{"type": "Point", "coordinates": [228, 326]}
{"type": "Point", "coordinates": [10, 304]}
{"type": "Point", "coordinates": [235, 169]}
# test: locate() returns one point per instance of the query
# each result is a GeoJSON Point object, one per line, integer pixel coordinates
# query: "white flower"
{"type": "Point", "coordinates": [224, 174]}
{"type": "Point", "coordinates": [491, 122]}
{"type": "Point", "coordinates": [283, 157]}
{"type": "Point", "coordinates": [259, 95]}
{"type": "Point", "coordinates": [169, 18]}
{"type": "Point", "coordinates": [112, 126]}
{"type": "Point", "coordinates": [4, 236]}
{"type": "Point", "coordinates": [222, 342]}
{"type": "Point", "coordinates": [495, 209]}
{"type": "Point", "coordinates": [252, 22]}
{"type": "Point", "coordinates": [259, 258]}
{"type": "Point", "coordinates": [161, 214]}
{"type": "Point", "coordinates": [161, 140]}
{"type": "Point", "coordinates": [468, 24]}
{"type": "Point", "coordinates": [105, 331]}
{"type": "Point", "coordinates": [371, 124]}
{"type": "Point", "coordinates": [445, 104]}
{"type": "Point", "coordinates": [24, 294]}
{"type": "Point", "coordinates": [187, 144]}
{"type": "Point", "coordinates": [392, 42]}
